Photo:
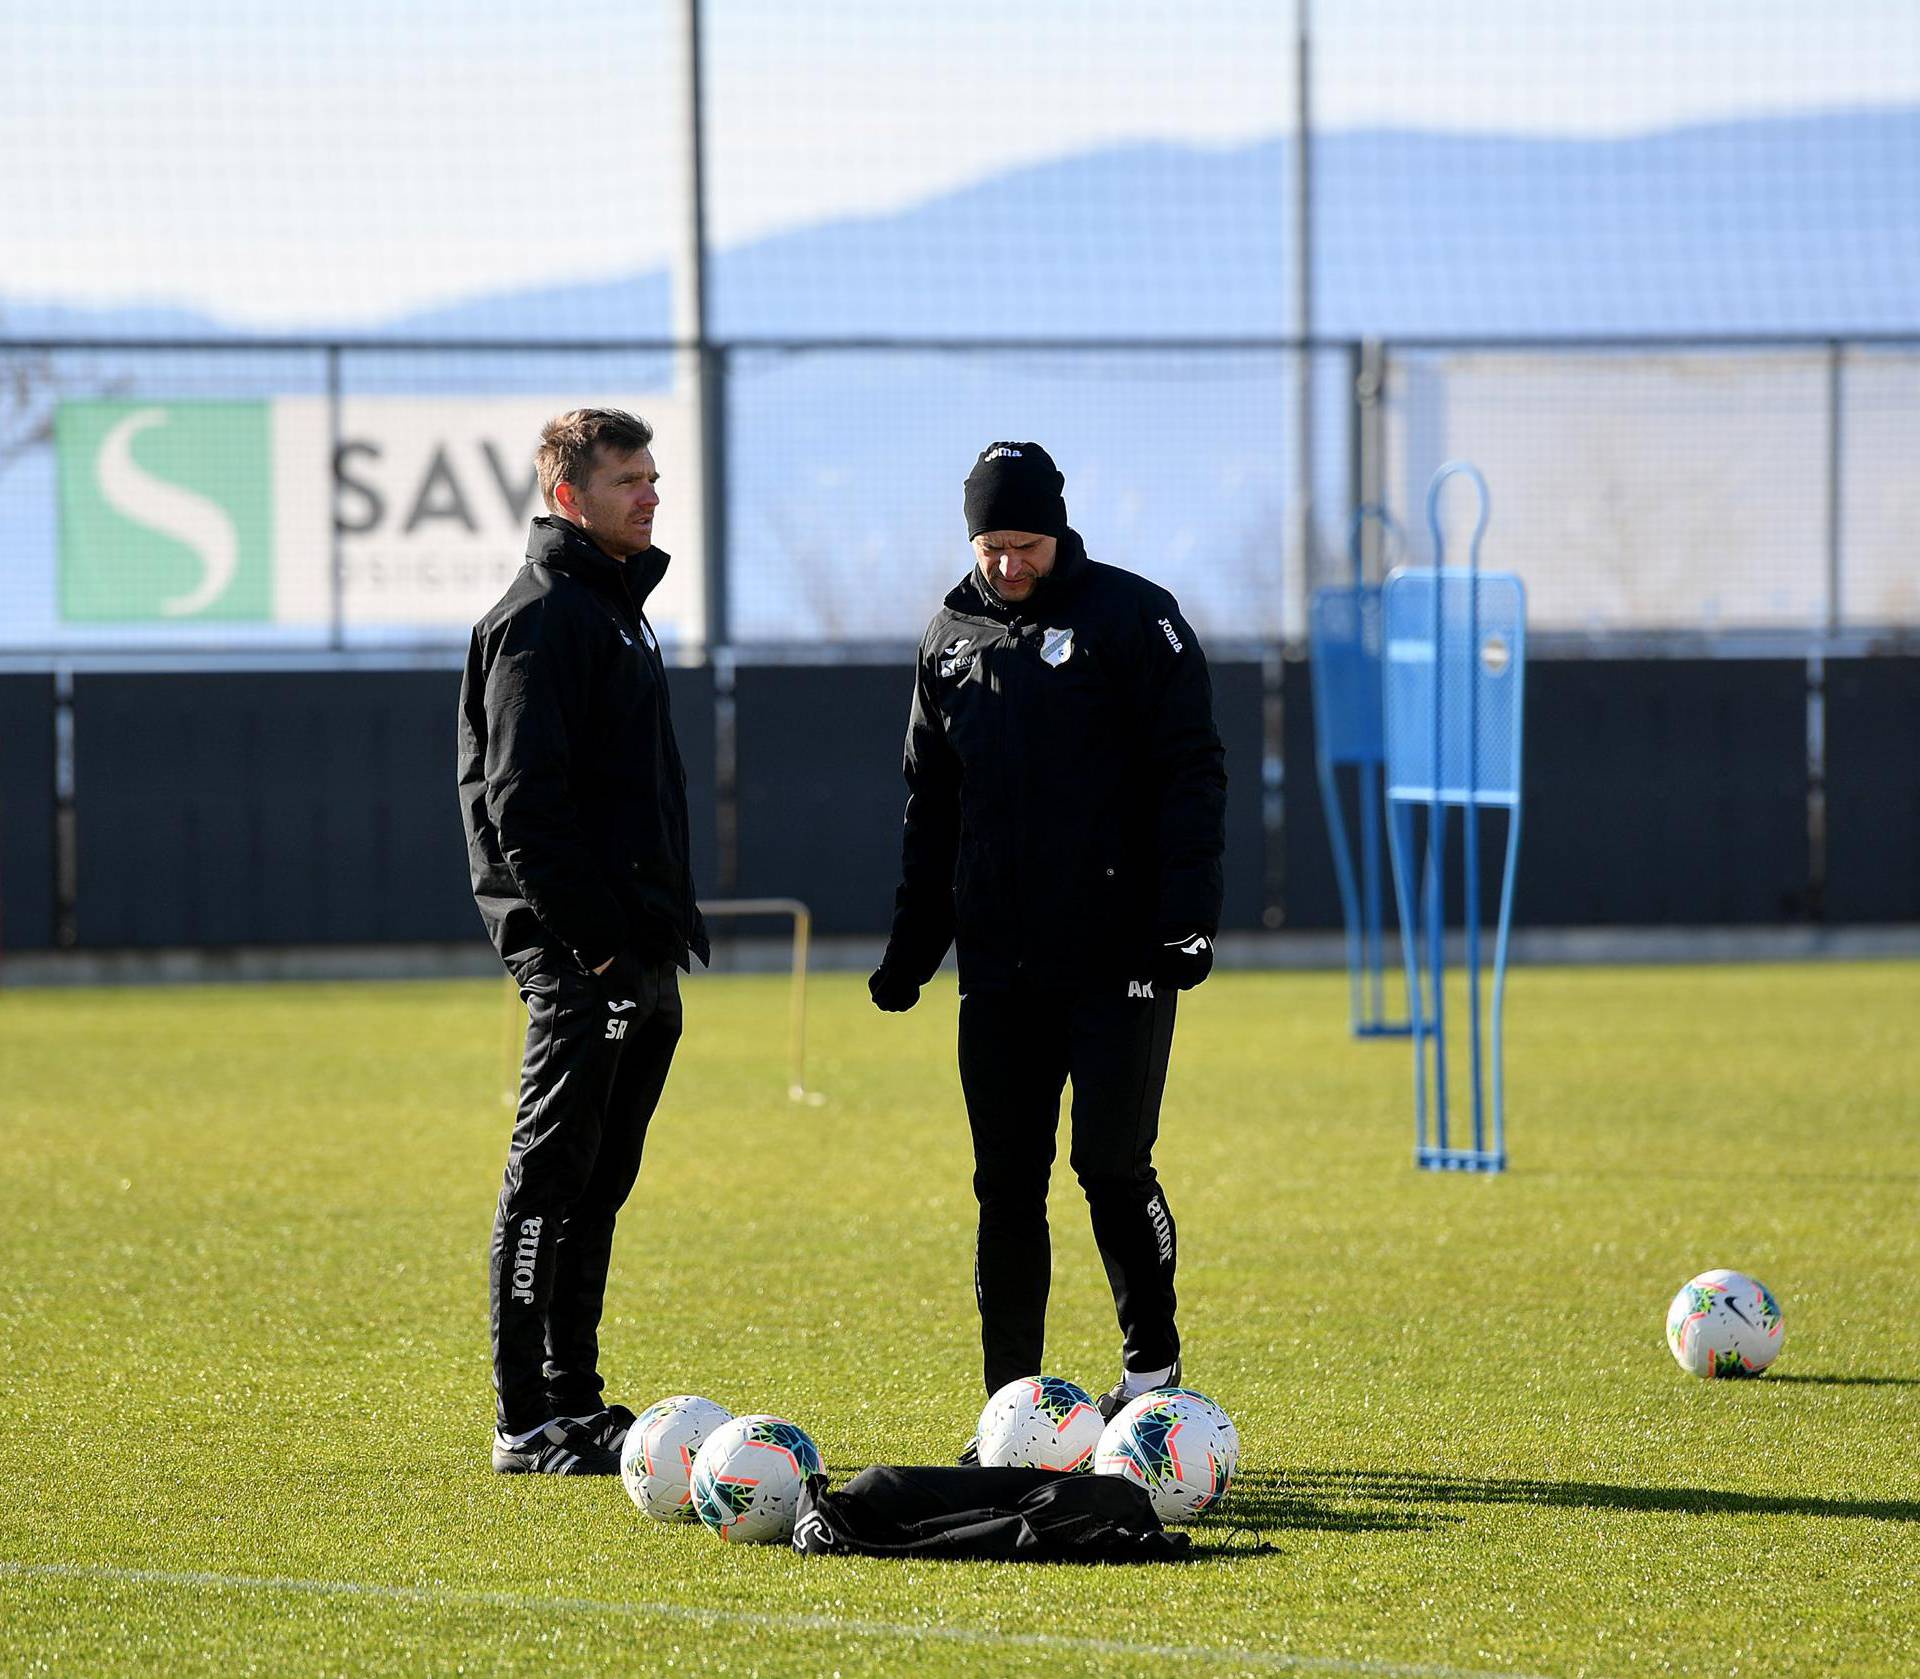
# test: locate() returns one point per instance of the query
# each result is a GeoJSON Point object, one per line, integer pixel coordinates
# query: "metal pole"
{"type": "Point", "coordinates": [1836, 422]}
{"type": "Point", "coordinates": [1303, 310]}
{"type": "Point", "coordinates": [802, 919]}
{"type": "Point", "coordinates": [66, 835]}
{"type": "Point", "coordinates": [336, 555]}
{"type": "Point", "coordinates": [690, 330]}
{"type": "Point", "coordinates": [1273, 787]}
{"type": "Point", "coordinates": [716, 365]}
{"type": "Point", "coordinates": [1370, 393]}
{"type": "Point", "coordinates": [726, 772]}
{"type": "Point", "coordinates": [1356, 455]}
{"type": "Point", "coordinates": [1816, 906]}
{"type": "Point", "coordinates": [797, 1007]}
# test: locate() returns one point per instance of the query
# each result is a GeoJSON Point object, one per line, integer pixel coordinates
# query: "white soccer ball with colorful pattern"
{"type": "Point", "coordinates": [1724, 1323]}
{"type": "Point", "coordinates": [1039, 1422]}
{"type": "Point", "coordinates": [656, 1458]}
{"type": "Point", "coordinates": [746, 1478]}
{"type": "Point", "coordinates": [1178, 1445]}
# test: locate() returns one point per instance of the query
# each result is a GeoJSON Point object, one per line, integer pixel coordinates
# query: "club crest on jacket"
{"type": "Point", "coordinates": [1056, 646]}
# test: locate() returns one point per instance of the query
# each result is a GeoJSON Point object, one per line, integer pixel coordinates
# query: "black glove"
{"type": "Point", "coordinates": [891, 990]}
{"type": "Point", "coordinates": [1184, 960]}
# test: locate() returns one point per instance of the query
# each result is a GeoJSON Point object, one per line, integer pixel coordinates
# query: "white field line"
{"type": "Point", "coordinates": [1279, 1661]}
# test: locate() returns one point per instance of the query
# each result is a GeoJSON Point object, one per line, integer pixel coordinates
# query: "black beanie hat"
{"type": "Point", "coordinates": [1015, 487]}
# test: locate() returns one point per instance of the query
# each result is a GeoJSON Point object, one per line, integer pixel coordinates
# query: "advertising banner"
{"type": "Point", "coordinates": [394, 519]}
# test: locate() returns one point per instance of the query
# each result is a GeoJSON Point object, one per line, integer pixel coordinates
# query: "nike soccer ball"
{"type": "Point", "coordinates": [1178, 1445]}
{"type": "Point", "coordinates": [1039, 1422]}
{"type": "Point", "coordinates": [746, 1478]}
{"type": "Point", "coordinates": [656, 1458]}
{"type": "Point", "coordinates": [1724, 1323]}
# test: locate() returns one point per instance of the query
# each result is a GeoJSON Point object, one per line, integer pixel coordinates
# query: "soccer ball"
{"type": "Point", "coordinates": [1178, 1445]}
{"type": "Point", "coordinates": [1724, 1323]}
{"type": "Point", "coordinates": [656, 1458]}
{"type": "Point", "coordinates": [746, 1478]}
{"type": "Point", "coordinates": [1039, 1422]}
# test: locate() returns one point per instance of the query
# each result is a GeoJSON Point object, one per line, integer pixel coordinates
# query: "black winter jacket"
{"type": "Point", "coordinates": [571, 786]}
{"type": "Point", "coordinates": [1066, 805]}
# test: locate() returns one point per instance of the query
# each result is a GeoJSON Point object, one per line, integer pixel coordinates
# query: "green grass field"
{"type": "Point", "coordinates": [244, 1383]}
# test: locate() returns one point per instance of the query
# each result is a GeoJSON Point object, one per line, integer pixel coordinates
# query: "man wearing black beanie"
{"type": "Point", "coordinates": [1066, 814]}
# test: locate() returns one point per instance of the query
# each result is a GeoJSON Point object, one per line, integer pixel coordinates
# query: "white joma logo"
{"type": "Point", "coordinates": [525, 1252]}
{"type": "Point", "coordinates": [1166, 627]}
{"type": "Point", "coordinates": [1004, 454]}
{"type": "Point", "coordinates": [1162, 1228]}
{"type": "Point", "coordinates": [813, 1529]}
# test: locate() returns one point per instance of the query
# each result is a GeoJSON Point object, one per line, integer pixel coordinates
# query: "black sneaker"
{"type": "Point", "coordinates": [970, 1453]}
{"type": "Point", "coordinates": [564, 1447]}
{"type": "Point", "coordinates": [1116, 1396]}
{"type": "Point", "coordinates": [609, 1427]}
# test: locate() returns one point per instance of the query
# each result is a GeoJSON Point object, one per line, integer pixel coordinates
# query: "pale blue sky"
{"type": "Point", "coordinates": [344, 162]}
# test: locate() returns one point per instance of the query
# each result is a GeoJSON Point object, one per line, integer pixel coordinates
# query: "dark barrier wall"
{"type": "Point", "coordinates": [310, 807]}
{"type": "Point", "coordinates": [821, 795]}
{"type": "Point", "coordinates": [264, 809]}
{"type": "Point", "coordinates": [26, 812]}
{"type": "Point", "coordinates": [1873, 790]}
{"type": "Point", "coordinates": [692, 693]}
{"type": "Point", "coordinates": [1668, 792]}
{"type": "Point", "coordinates": [298, 808]}
{"type": "Point", "coordinates": [1665, 793]}
{"type": "Point", "coordinates": [1310, 896]}
{"type": "Point", "coordinates": [1239, 712]}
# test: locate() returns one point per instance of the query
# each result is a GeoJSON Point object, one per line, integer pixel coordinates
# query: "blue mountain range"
{"type": "Point", "coordinates": [1807, 224]}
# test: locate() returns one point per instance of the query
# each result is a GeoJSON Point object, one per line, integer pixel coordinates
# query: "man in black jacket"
{"type": "Point", "coordinates": [1065, 822]}
{"type": "Point", "coordinates": [575, 805]}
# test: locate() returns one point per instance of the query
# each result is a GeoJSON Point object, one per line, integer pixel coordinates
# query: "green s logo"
{"type": "Point", "coordinates": [166, 511]}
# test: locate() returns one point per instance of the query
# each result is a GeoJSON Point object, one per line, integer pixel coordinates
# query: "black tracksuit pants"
{"type": "Point", "coordinates": [1018, 1049]}
{"type": "Point", "coordinates": [598, 1049]}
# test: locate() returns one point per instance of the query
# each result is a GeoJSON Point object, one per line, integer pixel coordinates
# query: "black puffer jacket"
{"type": "Point", "coordinates": [571, 786]}
{"type": "Point", "coordinates": [1066, 805]}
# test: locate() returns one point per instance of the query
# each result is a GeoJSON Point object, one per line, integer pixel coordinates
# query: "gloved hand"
{"type": "Point", "coordinates": [1184, 960]}
{"type": "Point", "coordinates": [891, 990]}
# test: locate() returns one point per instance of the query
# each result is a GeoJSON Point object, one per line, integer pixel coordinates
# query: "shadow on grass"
{"type": "Point", "coordinates": [1626, 1169]}
{"type": "Point", "coordinates": [1263, 1501]}
{"type": "Point", "coordinates": [1773, 1376]}
{"type": "Point", "coordinates": [1414, 1487]}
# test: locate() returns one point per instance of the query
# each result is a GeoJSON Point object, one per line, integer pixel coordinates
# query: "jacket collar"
{"type": "Point", "coordinates": [562, 546]}
{"type": "Point", "coordinates": [975, 597]}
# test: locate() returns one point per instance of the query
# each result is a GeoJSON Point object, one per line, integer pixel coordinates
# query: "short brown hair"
{"type": "Point", "coordinates": [570, 442]}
